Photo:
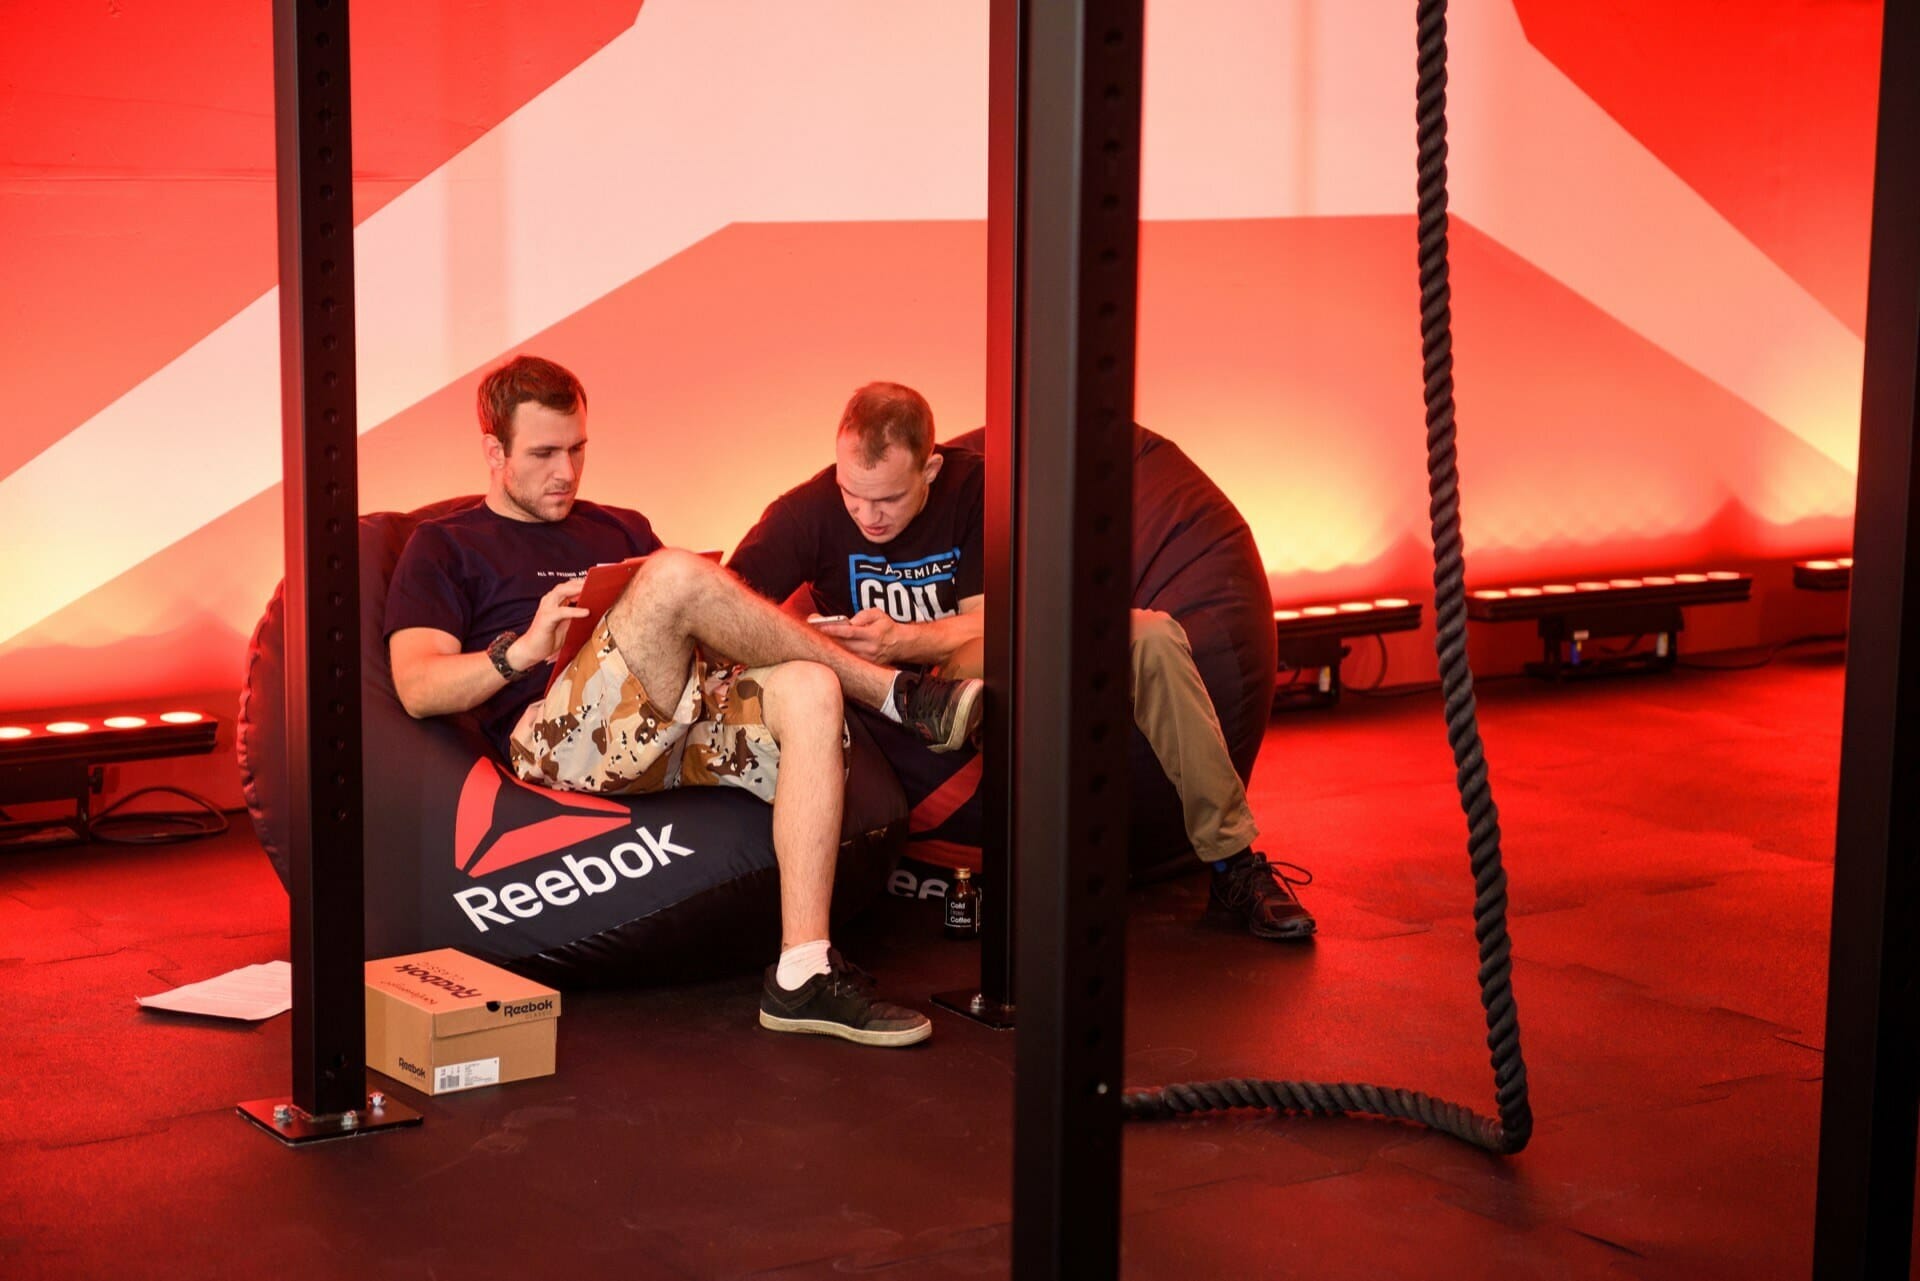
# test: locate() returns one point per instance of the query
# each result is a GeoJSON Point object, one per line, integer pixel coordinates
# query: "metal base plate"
{"type": "Point", "coordinates": [1596, 665]}
{"type": "Point", "coordinates": [1306, 694]}
{"type": "Point", "coordinates": [970, 1003]}
{"type": "Point", "coordinates": [284, 1120]}
{"type": "Point", "coordinates": [45, 834]}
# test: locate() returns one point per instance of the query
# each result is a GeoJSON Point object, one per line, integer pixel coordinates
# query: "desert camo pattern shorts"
{"type": "Point", "coordinates": [597, 730]}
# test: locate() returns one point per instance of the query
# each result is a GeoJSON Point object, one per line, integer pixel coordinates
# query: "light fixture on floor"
{"type": "Point", "coordinates": [63, 760]}
{"type": "Point", "coordinates": [1571, 616]}
{"type": "Point", "coordinates": [1834, 574]}
{"type": "Point", "coordinates": [1312, 643]}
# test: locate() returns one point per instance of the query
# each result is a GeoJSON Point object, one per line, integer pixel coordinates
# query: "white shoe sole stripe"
{"type": "Point", "coordinates": [860, 1036]}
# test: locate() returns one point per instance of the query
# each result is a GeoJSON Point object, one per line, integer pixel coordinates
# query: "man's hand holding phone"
{"type": "Point", "coordinates": [871, 633]}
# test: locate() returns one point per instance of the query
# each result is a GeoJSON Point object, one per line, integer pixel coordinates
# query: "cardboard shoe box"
{"type": "Point", "coordinates": [443, 1021]}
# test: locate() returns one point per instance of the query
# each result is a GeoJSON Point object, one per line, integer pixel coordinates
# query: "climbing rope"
{"type": "Point", "coordinates": [1510, 1132]}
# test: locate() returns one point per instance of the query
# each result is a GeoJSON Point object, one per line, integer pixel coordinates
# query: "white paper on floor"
{"type": "Point", "coordinates": [251, 992]}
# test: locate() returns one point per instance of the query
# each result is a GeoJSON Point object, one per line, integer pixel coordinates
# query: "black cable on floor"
{"type": "Point", "coordinates": [116, 825]}
{"type": "Point", "coordinates": [1514, 1126]}
{"type": "Point", "coordinates": [1379, 677]}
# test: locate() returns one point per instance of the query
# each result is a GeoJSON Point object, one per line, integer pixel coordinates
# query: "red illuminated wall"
{"type": "Point", "coordinates": [725, 215]}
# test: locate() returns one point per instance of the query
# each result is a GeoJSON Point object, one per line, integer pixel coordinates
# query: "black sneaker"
{"type": "Point", "coordinates": [943, 713]}
{"type": "Point", "coordinates": [836, 1004]}
{"type": "Point", "coordinates": [1255, 893]}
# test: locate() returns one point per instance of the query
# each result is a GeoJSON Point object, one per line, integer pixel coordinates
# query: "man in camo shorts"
{"type": "Point", "coordinates": [478, 606]}
{"type": "Point", "coordinates": [598, 730]}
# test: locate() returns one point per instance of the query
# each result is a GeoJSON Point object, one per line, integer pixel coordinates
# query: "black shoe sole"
{"type": "Point", "coordinates": [1225, 918]}
{"type": "Point", "coordinates": [964, 720]}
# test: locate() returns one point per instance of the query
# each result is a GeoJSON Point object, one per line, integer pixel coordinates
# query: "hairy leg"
{"type": "Point", "coordinates": [969, 659]}
{"type": "Point", "coordinates": [679, 598]}
{"type": "Point", "coordinates": [653, 639]}
{"type": "Point", "coordinates": [802, 705]}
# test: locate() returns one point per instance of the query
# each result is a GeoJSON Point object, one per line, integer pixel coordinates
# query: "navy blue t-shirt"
{"type": "Point", "coordinates": [476, 573]}
{"type": "Point", "coordinates": [922, 573]}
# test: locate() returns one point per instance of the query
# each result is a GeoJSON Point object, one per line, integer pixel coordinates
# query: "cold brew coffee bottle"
{"type": "Point", "coordinates": [963, 907]}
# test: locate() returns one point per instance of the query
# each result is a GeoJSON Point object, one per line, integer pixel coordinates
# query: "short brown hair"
{"type": "Point", "coordinates": [887, 414]}
{"type": "Point", "coordinates": [522, 379]}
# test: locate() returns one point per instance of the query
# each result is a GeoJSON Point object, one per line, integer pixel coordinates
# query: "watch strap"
{"type": "Point", "coordinates": [497, 651]}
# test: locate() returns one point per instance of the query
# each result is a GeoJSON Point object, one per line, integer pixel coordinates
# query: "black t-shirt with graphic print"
{"type": "Point", "coordinates": [476, 573]}
{"type": "Point", "coordinates": [922, 573]}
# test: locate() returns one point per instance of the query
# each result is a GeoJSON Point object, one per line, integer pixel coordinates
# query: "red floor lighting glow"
{"type": "Point", "coordinates": [726, 215]}
{"type": "Point", "coordinates": [1670, 853]}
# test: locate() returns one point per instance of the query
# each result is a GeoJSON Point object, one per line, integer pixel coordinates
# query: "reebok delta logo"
{"type": "Point", "coordinates": [484, 842]}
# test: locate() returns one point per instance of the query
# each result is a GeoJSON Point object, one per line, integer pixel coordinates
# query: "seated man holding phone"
{"type": "Point", "coordinates": [481, 600]}
{"type": "Point", "coordinates": [889, 541]}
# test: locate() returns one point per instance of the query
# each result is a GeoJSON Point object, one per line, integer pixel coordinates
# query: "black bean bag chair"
{"type": "Point", "coordinates": [572, 889]}
{"type": "Point", "coordinates": [1193, 558]}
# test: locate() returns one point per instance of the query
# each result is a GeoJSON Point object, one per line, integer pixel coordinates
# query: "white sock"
{"type": "Point", "coordinates": [890, 709]}
{"type": "Point", "coordinates": [801, 962]}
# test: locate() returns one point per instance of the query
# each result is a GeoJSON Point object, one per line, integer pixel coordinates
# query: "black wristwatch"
{"type": "Point", "coordinates": [497, 651]}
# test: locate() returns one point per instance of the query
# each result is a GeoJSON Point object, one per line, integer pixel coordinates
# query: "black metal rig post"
{"type": "Point", "coordinates": [1863, 1218]}
{"type": "Point", "coordinates": [319, 433]}
{"type": "Point", "coordinates": [992, 1001]}
{"type": "Point", "coordinates": [1079, 235]}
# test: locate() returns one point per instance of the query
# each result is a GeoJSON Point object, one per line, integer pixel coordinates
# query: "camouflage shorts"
{"type": "Point", "coordinates": [596, 729]}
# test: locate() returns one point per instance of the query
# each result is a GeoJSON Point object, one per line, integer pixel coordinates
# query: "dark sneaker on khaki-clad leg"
{"type": "Point", "coordinates": [943, 713]}
{"type": "Point", "coordinates": [1253, 893]}
{"type": "Point", "coordinates": [838, 1003]}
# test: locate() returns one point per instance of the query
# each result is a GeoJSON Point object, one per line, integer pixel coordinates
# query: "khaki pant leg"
{"type": "Point", "coordinates": [1171, 707]}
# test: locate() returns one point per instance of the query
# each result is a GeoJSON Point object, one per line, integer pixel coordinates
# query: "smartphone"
{"type": "Point", "coordinates": [817, 619]}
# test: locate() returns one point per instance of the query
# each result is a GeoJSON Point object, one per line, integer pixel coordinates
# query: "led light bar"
{"type": "Point", "coordinates": [108, 740]}
{"type": "Point", "coordinates": [1507, 604]}
{"type": "Point", "coordinates": [1310, 639]}
{"type": "Point", "coordinates": [1571, 615]}
{"type": "Point", "coordinates": [61, 760]}
{"type": "Point", "coordinates": [1349, 618]}
{"type": "Point", "coordinates": [1832, 575]}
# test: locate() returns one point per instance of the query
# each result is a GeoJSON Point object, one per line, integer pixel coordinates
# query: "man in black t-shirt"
{"type": "Point", "coordinates": [480, 601]}
{"type": "Point", "coordinates": [882, 539]}
{"type": "Point", "coordinates": [891, 535]}
{"type": "Point", "coordinates": [888, 542]}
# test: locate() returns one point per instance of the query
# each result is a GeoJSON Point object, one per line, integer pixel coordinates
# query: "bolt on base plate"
{"type": "Point", "coordinates": [284, 1120]}
{"type": "Point", "coordinates": [973, 1004]}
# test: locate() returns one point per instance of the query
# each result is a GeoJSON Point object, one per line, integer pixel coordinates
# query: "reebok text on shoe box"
{"type": "Point", "coordinates": [443, 1021]}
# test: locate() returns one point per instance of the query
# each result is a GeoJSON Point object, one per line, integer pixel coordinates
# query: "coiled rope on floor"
{"type": "Point", "coordinates": [1514, 1126]}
